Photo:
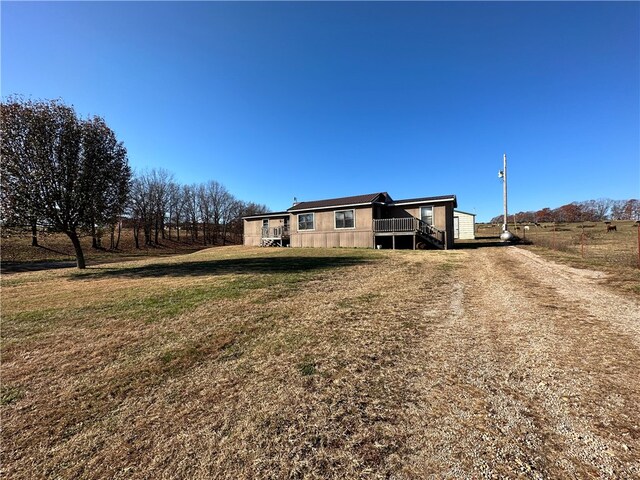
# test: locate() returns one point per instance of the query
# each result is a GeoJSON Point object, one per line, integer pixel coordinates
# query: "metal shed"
{"type": "Point", "coordinates": [464, 225]}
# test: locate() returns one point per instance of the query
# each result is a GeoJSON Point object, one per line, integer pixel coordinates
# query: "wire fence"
{"type": "Point", "coordinates": [614, 243]}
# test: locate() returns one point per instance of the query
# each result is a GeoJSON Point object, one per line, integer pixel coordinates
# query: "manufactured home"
{"type": "Point", "coordinates": [369, 221]}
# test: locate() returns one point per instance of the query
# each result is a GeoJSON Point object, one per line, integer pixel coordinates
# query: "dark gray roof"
{"type": "Point", "coordinates": [340, 202]}
{"type": "Point", "coordinates": [440, 198]}
{"type": "Point", "coordinates": [267, 215]}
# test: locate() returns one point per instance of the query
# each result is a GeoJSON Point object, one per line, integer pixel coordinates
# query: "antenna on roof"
{"type": "Point", "coordinates": [295, 201]}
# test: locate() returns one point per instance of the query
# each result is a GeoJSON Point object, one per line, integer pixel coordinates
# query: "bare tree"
{"type": "Point", "coordinates": [191, 207]}
{"type": "Point", "coordinates": [159, 181]}
{"type": "Point", "coordinates": [175, 207]}
{"type": "Point", "coordinates": [141, 208]}
{"type": "Point", "coordinates": [205, 212]}
{"type": "Point", "coordinates": [597, 210]}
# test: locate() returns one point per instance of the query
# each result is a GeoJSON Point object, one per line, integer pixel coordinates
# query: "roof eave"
{"type": "Point", "coordinates": [265, 215]}
{"type": "Point", "coordinates": [466, 213]}
{"type": "Point", "coordinates": [329, 207]}
{"type": "Point", "coordinates": [400, 203]}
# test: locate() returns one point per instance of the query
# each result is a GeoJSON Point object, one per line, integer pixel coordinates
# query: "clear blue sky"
{"type": "Point", "coordinates": [317, 100]}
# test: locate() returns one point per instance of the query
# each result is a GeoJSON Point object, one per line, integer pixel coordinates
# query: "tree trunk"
{"type": "Point", "coordinates": [94, 241]}
{"type": "Point", "coordinates": [34, 234]}
{"type": "Point", "coordinates": [147, 234]}
{"type": "Point", "coordinates": [136, 236]}
{"type": "Point", "coordinates": [118, 237]}
{"type": "Point", "coordinates": [78, 248]}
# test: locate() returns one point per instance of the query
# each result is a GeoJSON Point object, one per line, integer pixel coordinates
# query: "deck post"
{"type": "Point", "coordinates": [393, 241]}
{"type": "Point", "coordinates": [414, 241]}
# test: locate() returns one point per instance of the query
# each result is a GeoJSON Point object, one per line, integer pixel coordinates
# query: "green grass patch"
{"type": "Point", "coordinates": [448, 266]}
{"type": "Point", "coordinates": [307, 367]}
{"type": "Point", "coordinates": [9, 394]}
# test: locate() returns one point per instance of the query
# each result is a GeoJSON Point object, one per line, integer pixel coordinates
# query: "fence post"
{"type": "Point", "coordinates": [582, 242]}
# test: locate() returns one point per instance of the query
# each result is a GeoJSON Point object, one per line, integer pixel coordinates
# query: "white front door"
{"type": "Point", "coordinates": [456, 227]}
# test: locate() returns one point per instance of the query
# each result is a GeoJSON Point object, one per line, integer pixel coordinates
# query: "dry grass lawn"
{"type": "Point", "coordinates": [311, 363]}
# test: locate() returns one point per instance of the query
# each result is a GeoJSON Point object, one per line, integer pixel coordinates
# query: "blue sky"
{"type": "Point", "coordinates": [320, 100]}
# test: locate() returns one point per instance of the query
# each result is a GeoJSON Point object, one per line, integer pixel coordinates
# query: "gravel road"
{"type": "Point", "coordinates": [542, 378]}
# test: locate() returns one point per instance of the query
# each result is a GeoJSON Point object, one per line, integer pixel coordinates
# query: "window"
{"type": "Point", "coordinates": [305, 221]}
{"type": "Point", "coordinates": [426, 215]}
{"type": "Point", "coordinates": [265, 223]}
{"type": "Point", "coordinates": [345, 219]}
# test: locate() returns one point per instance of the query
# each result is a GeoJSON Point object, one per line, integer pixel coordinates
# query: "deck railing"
{"type": "Point", "coordinates": [409, 224]}
{"type": "Point", "coordinates": [432, 231]}
{"type": "Point", "coordinates": [275, 232]}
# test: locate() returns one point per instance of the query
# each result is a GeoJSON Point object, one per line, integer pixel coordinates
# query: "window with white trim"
{"type": "Point", "coordinates": [426, 215]}
{"type": "Point", "coordinates": [305, 221]}
{"type": "Point", "coordinates": [345, 219]}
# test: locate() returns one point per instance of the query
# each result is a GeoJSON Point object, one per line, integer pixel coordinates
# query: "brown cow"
{"type": "Point", "coordinates": [611, 228]}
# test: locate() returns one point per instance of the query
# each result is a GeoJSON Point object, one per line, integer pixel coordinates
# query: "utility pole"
{"type": "Point", "coordinates": [506, 235]}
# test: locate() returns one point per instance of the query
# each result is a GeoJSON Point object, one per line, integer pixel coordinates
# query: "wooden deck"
{"type": "Point", "coordinates": [409, 226]}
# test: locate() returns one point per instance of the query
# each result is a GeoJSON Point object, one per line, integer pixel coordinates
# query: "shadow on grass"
{"type": "Point", "coordinates": [18, 267]}
{"type": "Point", "coordinates": [482, 244]}
{"type": "Point", "coordinates": [255, 265]}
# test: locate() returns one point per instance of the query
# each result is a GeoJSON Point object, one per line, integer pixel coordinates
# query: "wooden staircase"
{"type": "Point", "coordinates": [430, 234]}
{"type": "Point", "coordinates": [269, 242]}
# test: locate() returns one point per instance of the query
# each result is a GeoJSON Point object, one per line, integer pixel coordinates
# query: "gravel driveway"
{"type": "Point", "coordinates": [543, 375]}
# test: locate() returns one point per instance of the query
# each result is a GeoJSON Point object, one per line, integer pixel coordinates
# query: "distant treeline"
{"type": "Point", "coordinates": [158, 207]}
{"type": "Point", "coordinates": [588, 211]}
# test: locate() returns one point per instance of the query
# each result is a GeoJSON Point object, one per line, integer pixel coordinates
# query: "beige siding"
{"type": "Point", "coordinates": [466, 225]}
{"type": "Point", "coordinates": [252, 232]}
{"type": "Point", "coordinates": [326, 235]}
{"type": "Point", "coordinates": [276, 222]}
